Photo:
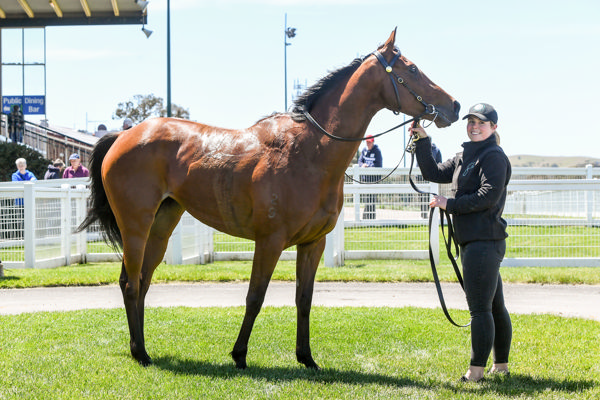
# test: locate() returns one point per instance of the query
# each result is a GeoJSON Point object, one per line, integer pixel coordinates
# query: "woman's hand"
{"type": "Point", "coordinates": [438, 201]}
{"type": "Point", "coordinates": [417, 131]}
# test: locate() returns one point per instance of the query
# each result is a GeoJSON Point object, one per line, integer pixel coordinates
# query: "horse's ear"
{"type": "Point", "coordinates": [389, 44]}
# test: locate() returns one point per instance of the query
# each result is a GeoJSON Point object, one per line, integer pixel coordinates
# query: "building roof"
{"type": "Point", "coordinates": [41, 13]}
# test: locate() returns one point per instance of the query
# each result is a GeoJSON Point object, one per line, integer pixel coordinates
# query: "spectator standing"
{"type": "Point", "coordinates": [101, 131]}
{"type": "Point", "coordinates": [76, 170]}
{"type": "Point", "coordinates": [22, 173]}
{"type": "Point", "coordinates": [16, 222]}
{"type": "Point", "coordinates": [55, 170]}
{"type": "Point", "coordinates": [15, 124]}
{"type": "Point", "coordinates": [127, 124]}
{"type": "Point", "coordinates": [370, 157]}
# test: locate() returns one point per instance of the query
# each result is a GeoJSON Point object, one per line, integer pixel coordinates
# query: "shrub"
{"type": "Point", "coordinates": [9, 152]}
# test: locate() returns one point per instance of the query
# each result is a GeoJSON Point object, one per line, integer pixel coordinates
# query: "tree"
{"type": "Point", "coordinates": [143, 107]}
{"type": "Point", "coordinates": [9, 152]}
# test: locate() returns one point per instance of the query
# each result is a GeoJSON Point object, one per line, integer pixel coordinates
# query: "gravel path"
{"type": "Point", "coordinates": [565, 300]}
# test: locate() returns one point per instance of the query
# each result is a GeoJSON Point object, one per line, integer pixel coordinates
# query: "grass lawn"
{"type": "Point", "coordinates": [365, 353]}
{"type": "Point", "coordinates": [224, 271]}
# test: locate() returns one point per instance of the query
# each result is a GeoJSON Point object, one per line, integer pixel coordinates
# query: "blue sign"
{"type": "Point", "coordinates": [28, 104]}
{"type": "Point", "coordinates": [9, 101]}
{"type": "Point", "coordinates": [34, 104]}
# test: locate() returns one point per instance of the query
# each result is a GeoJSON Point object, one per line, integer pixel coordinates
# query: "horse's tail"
{"type": "Point", "coordinates": [99, 207]}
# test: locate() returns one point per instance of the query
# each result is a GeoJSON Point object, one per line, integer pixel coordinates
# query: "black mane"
{"type": "Point", "coordinates": [308, 98]}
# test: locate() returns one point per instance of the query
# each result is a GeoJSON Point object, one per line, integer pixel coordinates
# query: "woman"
{"type": "Point", "coordinates": [54, 170]}
{"type": "Point", "coordinates": [479, 177]}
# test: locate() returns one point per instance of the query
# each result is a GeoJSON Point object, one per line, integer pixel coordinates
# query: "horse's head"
{"type": "Point", "coordinates": [407, 89]}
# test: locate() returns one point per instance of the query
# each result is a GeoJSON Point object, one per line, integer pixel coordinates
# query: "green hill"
{"type": "Point", "coordinates": [524, 160]}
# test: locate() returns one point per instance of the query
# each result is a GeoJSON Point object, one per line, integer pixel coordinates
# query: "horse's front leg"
{"type": "Point", "coordinates": [266, 255]}
{"type": "Point", "coordinates": [307, 262]}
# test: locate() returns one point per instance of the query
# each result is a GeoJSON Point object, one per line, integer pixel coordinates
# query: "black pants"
{"type": "Point", "coordinates": [491, 328]}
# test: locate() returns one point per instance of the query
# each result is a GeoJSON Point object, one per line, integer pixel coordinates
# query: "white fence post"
{"type": "Point", "coordinates": [29, 223]}
{"type": "Point", "coordinates": [356, 196]}
{"type": "Point", "coordinates": [435, 227]}
{"type": "Point", "coordinates": [589, 196]}
{"type": "Point", "coordinates": [334, 244]}
{"type": "Point", "coordinates": [80, 211]}
{"type": "Point", "coordinates": [204, 235]}
{"type": "Point", "coordinates": [174, 253]}
{"type": "Point", "coordinates": [65, 221]}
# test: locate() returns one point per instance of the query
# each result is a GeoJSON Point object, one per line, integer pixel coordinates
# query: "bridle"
{"type": "Point", "coordinates": [410, 148]}
{"type": "Point", "coordinates": [429, 108]}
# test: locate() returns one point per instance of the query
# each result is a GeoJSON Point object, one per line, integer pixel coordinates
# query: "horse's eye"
{"type": "Point", "coordinates": [413, 68]}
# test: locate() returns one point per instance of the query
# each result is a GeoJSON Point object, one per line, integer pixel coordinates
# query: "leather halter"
{"type": "Point", "coordinates": [429, 108]}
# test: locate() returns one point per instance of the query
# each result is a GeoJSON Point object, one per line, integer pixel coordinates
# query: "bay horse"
{"type": "Point", "coordinates": [279, 182]}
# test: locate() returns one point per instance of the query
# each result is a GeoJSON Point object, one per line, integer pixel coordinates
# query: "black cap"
{"type": "Point", "coordinates": [484, 112]}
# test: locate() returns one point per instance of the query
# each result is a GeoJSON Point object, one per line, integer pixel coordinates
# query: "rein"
{"type": "Point", "coordinates": [448, 242]}
{"type": "Point", "coordinates": [411, 147]}
{"type": "Point", "coordinates": [429, 109]}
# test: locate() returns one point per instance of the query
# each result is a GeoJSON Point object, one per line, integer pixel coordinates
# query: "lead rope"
{"type": "Point", "coordinates": [448, 242]}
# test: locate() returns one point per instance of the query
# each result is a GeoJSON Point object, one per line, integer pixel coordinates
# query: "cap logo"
{"type": "Point", "coordinates": [479, 108]}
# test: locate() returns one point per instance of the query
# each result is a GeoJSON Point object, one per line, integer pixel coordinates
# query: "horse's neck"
{"type": "Point", "coordinates": [348, 119]}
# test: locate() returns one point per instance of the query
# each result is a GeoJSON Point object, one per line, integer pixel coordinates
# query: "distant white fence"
{"type": "Point", "coordinates": [554, 220]}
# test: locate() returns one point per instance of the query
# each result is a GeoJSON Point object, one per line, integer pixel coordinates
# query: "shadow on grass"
{"type": "Point", "coordinates": [327, 375]}
{"type": "Point", "coordinates": [516, 385]}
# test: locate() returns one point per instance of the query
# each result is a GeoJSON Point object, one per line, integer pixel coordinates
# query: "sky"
{"type": "Point", "coordinates": [537, 62]}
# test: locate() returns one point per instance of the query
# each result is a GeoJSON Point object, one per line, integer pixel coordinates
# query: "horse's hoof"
{"type": "Point", "coordinates": [309, 363]}
{"type": "Point", "coordinates": [143, 359]}
{"type": "Point", "coordinates": [145, 362]}
{"type": "Point", "coordinates": [313, 366]}
{"type": "Point", "coordinates": [241, 365]}
{"type": "Point", "coordinates": [240, 360]}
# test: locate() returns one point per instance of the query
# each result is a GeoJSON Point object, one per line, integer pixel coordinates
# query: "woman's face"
{"type": "Point", "coordinates": [479, 130]}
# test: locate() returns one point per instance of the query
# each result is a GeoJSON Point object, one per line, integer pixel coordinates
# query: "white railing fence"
{"type": "Point", "coordinates": [554, 220]}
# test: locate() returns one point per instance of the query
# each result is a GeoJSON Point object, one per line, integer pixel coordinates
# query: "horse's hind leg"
{"type": "Point", "coordinates": [136, 281]}
{"type": "Point", "coordinates": [266, 256]}
{"type": "Point", "coordinates": [165, 221]}
{"type": "Point", "coordinates": [307, 262]}
{"type": "Point", "coordinates": [130, 282]}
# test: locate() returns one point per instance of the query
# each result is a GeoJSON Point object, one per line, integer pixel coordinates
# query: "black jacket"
{"type": "Point", "coordinates": [53, 172]}
{"type": "Point", "coordinates": [479, 177]}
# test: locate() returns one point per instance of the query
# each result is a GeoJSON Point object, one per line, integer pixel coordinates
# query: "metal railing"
{"type": "Point", "coordinates": [552, 222]}
{"type": "Point", "coordinates": [50, 143]}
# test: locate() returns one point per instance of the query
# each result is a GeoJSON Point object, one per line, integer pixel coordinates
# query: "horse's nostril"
{"type": "Point", "coordinates": [456, 108]}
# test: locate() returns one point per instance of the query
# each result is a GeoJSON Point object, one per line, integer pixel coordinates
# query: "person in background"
{"type": "Point", "coordinates": [76, 170]}
{"type": "Point", "coordinates": [55, 170]}
{"type": "Point", "coordinates": [127, 124]}
{"type": "Point", "coordinates": [479, 177]}
{"type": "Point", "coordinates": [101, 130]}
{"type": "Point", "coordinates": [370, 157]}
{"type": "Point", "coordinates": [22, 173]}
{"type": "Point", "coordinates": [16, 225]}
{"type": "Point", "coordinates": [15, 122]}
